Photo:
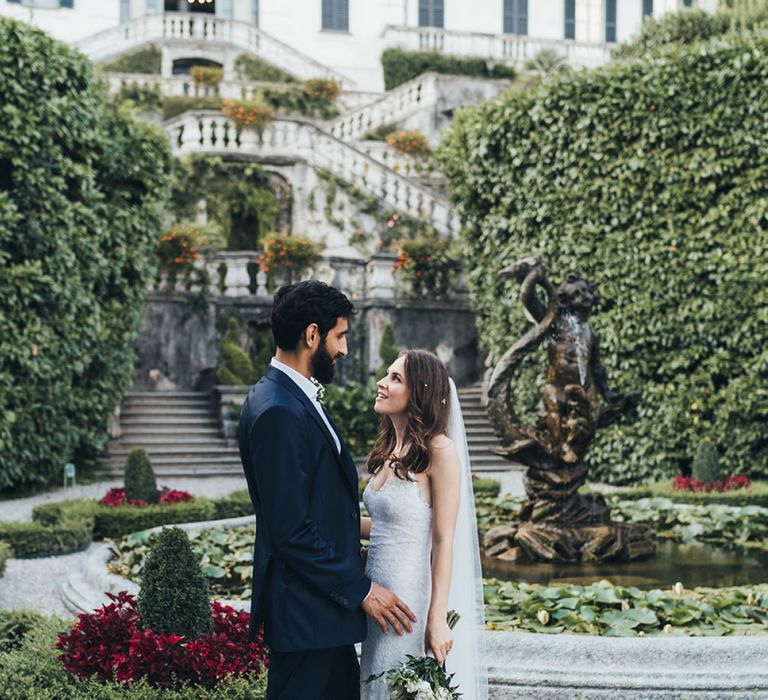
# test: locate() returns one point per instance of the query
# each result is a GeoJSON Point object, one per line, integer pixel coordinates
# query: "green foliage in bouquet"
{"type": "Point", "coordinates": [83, 188]}
{"type": "Point", "coordinates": [649, 176]}
{"type": "Point", "coordinates": [174, 591]}
{"type": "Point", "coordinates": [140, 481]}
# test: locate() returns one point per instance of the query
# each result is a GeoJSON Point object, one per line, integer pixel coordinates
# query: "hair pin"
{"type": "Point", "coordinates": [426, 385]}
{"type": "Point", "coordinates": [443, 402]}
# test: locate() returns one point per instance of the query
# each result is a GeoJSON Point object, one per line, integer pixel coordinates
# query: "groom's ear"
{"type": "Point", "coordinates": [312, 335]}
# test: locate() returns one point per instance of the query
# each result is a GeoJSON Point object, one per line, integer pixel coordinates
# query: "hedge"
{"type": "Point", "coordinates": [401, 66]}
{"type": "Point", "coordinates": [756, 495]}
{"type": "Point", "coordinates": [33, 672]}
{"type": "Point", "coordinates": [687, 27]}
{"type": "Point", "coordinates": [145, 60]}
{"type": "Point", "coordinates": [650, 176]}
{"type": "Point", "coordinates": [6, 553]}
{"type": "Point", "coordinates": [14, 626]}
{"type": "Point", "coordinates": [37, 540]}
{"type": "Point", "coordinates": [82, 193]}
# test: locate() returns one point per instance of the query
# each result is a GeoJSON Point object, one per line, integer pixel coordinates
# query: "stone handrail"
{"type": "Point", "coordinates": [297, 139]}
{"type": "Point", "coordinates": [174, 26]}
{"type": "Point", "coordinates": [235, 274]}
{"type": "Point", "coordinates": [419, 93]}
{"type": "Point", "coordinates": [504, 47]}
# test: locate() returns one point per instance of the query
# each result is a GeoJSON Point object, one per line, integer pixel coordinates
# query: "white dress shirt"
{"type": "Point", "coordinates": [311, 391]}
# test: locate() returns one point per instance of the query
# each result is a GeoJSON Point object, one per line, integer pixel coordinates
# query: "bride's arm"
{"type": "Point", "coordinates": [365, 528]}
{"type": "Point", "coordinates": [445, 485]}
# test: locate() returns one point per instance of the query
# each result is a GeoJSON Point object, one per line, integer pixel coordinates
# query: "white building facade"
{"type": "Point", "coordinates": [348, 36]}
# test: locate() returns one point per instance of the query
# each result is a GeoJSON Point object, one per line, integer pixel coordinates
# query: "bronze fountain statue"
{"type": "Point", "coordinates": [557, 523]}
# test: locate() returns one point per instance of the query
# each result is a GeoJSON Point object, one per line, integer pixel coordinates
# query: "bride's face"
{"type": "Point", "coordinates": [392, 397]}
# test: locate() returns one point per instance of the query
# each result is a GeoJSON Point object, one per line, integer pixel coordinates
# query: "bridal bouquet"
{"type": "Point", "coordinates": [421, 678]}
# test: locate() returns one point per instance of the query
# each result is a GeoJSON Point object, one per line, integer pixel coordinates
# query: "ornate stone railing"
{"type": "Point", "coordinates": [420, 93]}
{"type": "Point", "coordinates": [196, 27]}
{"type": "Point", "coordinates": [504, 47]}
{"type": "Point", "coordinates": [236, 274]}
{"type": "Point", "coordinates": [297, 139]}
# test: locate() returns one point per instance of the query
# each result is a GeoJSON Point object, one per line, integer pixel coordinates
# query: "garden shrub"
{"type": "Point", "coordinates": [82, 194]}
{"type": "Point", "coordinates": [143, 97]}
{"type": "Point", "coordinates": [256, 69]}
{"type": "Point", "coordinates": [174, 106]}
{"type": "Point", "coordinates": [235, 367]}
{"type": "Point", "coordinates": [401, 66]}
{"type": "Point", "coordinates": [144, 60]}
{"type": "Point", "coordinates": [34, 672]}
{"type": "Point", "coordinates": [14, 625]}
{"type": "Point", "coordinates": [173, 598]}
{"type": "Point", "coordinates": [6, 553]}
{"type": "Point", "coordinates": [489, 487]}
{"type": "Point", "coordinates": [140, 482]}
{"type": "Point", "coordinates": [755, 495]}
{"type": "Point", "coordinates": [688, 27]}
{"type": "Point", "coordinates": [706, 464]}
{"type": "Point", "coordinates": [650, 176]}
{"type": "Point", "coordinates": [236, 505]}
{"type": "Point", "coordinates": [351, 406]}
{"type": "Point", "coordinates": [36, 540]}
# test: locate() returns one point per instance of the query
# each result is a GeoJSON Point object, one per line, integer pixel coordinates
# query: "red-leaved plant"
{"type": "Point", "coordinates": [730, 483]}
{"type": "Point", "coordinates": [116, 497]}
{"type": "Point", "coordinates": [108, 644]}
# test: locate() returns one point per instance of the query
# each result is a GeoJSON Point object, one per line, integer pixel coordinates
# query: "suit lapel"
{"type": "Point", "coordinates": [286, 382]}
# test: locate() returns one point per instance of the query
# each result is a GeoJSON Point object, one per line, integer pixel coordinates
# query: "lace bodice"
{"type": "Point", "coordinates": [398, 559]}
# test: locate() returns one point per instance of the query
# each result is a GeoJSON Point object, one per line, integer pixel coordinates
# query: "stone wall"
{"type": "Point", "coordinates": [180, 335]}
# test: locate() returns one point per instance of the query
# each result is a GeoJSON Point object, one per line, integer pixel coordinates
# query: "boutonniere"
{"type": "Point", "coordinates": [320, 389]}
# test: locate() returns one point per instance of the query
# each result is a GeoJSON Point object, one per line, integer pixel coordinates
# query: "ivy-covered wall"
{"type": "Point", "coordinates": [82, 192]}
{"type": "Point", "coordinates": [650, 177]}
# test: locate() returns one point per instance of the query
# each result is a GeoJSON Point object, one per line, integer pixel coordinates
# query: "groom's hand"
{"type": "Point", "coordinates": [385, 607]}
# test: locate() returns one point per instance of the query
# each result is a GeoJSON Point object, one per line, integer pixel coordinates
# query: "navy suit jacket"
{"type": "Point", "coordinates": [307, 580]}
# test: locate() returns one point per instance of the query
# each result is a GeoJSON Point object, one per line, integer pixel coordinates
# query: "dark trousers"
{"type": "Point", "coordinates": [320, 674]}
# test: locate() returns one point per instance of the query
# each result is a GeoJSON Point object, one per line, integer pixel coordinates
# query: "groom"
{"type": "Point", "coordinates": [308, 587]}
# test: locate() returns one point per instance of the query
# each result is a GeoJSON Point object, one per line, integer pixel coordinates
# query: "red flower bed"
{"type": "Point", "coordinates": [108, 644]}
{"type": "Point", "coordinates": [730, 483]}
{"type": "Point", "coordinates": [116, 497]}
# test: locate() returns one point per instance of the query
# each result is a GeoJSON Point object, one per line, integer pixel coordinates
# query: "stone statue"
{"type": "Point", "coordinates": [557, 523]}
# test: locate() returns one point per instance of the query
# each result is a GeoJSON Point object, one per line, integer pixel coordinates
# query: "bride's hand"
{"type": "Point", "coordinates": [439, 639]}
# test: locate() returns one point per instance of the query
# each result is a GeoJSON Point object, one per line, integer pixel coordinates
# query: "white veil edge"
{"type": "Point", "coordinates": [467, 658]}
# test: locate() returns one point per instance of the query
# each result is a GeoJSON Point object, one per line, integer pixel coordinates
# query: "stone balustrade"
{"type": "Point", "coordinates": [299, 139]}
{"type": "Point", "coordinates": [180, 26]}
{"type": "Point", "coordinates": [509, 48]}
{"type": "Point", "coordinates": [237, 274]}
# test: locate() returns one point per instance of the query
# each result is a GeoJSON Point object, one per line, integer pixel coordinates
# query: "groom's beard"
{"type": "Point", "coordinates": [322, 365]}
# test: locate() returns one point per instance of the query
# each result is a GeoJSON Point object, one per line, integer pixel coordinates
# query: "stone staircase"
{"type": "Point", "coordinates": [180, 432]}
{"type": "Point", "coordinates": [480, 435]}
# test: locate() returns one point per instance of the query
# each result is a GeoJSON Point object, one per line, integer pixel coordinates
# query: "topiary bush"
{"type": "Point", "coordinates": [400, 66]}
{"type": "Point", "coordinates": [82, 193]}
{"type": "Point", "coordinates": [145, 60]}
{"type": "Point", "coordinates": [651, 177]}
{"type": "Point", "coordinates": [140, 482]}
{"type": "Point", "coordinates": [706, 464]}
{"type": "Point", "coordinates": [173, 598]}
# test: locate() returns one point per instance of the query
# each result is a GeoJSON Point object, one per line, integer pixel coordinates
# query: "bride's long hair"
{"type": "Point", "coordinates": [426, 416]}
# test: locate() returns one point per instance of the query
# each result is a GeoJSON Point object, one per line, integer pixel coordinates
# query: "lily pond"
{"type": "Point", "coordinates": [709, 575]}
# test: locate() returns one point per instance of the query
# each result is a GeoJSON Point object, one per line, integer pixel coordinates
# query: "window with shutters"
{"type": "Point", "coordinates": [431, 13]}
{"type": "Point", "coordinates": [569, 32]}
{"type": "Point", "coordinates": [647, 7]}
{"type": "Point", "coordinates": [255, 13]}
{"type": "Point", "coordinates": [687, 3]}
{"type": "Point", "coordinates": [336, 15]}
{"type": "Point", "coordinates": [44, 4]}
{"type": "Point", "coordinates": [610, 21]}
{"type": "Point", "coordinates": [125, 10]}
{"type": "Point", "coordinates": [516, 17]}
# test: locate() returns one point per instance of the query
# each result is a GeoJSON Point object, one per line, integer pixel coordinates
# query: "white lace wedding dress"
{"type": "Point", "coordinates": [398, 559]}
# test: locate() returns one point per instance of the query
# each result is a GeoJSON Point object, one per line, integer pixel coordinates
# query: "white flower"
{"type": "Point", "coordinates": [413, 686]}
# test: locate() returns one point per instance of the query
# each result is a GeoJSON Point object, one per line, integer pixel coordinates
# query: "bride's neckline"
{"type": "Point", "coordinates": [394, 477]}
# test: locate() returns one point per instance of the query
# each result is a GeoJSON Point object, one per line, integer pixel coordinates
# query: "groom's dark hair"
{"type": "Point", "coordinates": [297, 305]}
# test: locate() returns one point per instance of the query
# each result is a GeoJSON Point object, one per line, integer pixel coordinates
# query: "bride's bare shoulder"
{"type": "Point", "coordinates": [441, 443]}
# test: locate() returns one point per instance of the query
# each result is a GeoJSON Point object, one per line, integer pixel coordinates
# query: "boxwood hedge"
{"type": "Point", "coordinates": [650, 177]}
{"type": "Point", "coordinates": [82, 191]}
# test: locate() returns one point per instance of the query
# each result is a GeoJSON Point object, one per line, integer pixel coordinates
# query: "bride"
{"type": "Point", "coordinates": [422, 529]}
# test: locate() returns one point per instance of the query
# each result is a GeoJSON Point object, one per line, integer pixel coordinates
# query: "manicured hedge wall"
{"type": "Point", "coordinates": [6, 552]}
{"type": "Point", "coordinates": [650, 177]}
{"type": "Point", "coordinates": [401, 66]}
{"type": "Point", "coordinates": [82, 189]}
